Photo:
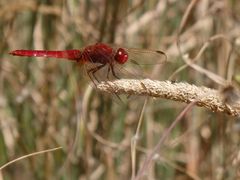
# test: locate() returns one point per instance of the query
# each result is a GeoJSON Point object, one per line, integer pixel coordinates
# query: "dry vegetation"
{"type": "Point", "coordinates": [45, 104]}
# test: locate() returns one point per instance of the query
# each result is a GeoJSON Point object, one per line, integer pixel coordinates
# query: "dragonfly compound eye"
{"type": "Point", "coordinates": [121, 56]}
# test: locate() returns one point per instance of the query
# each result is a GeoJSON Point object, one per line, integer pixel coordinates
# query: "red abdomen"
{"type": "Point", "coordinates": [67, 54]}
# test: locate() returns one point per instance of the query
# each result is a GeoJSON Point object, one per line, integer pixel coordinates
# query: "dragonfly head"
{"type": "Point", "coordinates": [121, 56]}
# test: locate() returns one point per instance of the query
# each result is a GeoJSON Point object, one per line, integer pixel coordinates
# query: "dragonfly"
{"type": "Point", "coordinates": [100, 55]}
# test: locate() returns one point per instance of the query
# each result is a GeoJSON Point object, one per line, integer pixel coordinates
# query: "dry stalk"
{"type": "Point", "coordinates": [209, 98]}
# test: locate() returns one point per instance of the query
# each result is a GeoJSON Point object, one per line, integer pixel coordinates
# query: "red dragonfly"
{"type": "Point", "coordinates": [98, 56]}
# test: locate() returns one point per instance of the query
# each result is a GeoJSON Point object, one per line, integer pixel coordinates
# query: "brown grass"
{"type": "Point", "coordinates": [51, 103]}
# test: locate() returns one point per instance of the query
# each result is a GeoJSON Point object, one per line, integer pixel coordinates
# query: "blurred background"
{"type": "Point", "coordinates": [48, 103]}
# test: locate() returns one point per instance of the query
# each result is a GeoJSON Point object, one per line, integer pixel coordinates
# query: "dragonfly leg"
{"type": "Point", "coordinates": [109, 68]}
{"type": "Point", "coordinates": [91, 78]}
{"type": "Point", "coordinates": [113, 72]}
{"type": "Point", "coordinates": [94, 70]}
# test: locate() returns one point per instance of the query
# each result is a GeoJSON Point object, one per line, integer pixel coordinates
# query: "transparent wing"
{"type": "Point", "coordinates": [146, 56]}
{"type": "Point", "coordinates": [144, 62]}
